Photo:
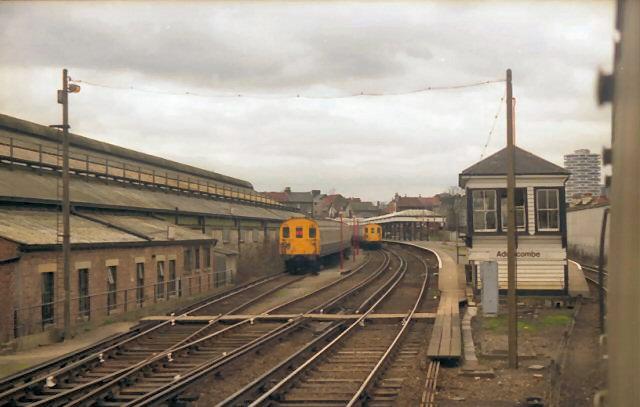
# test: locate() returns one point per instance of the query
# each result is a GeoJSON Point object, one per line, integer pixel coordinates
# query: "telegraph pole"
{"type": "Point", "coordinates": [511, 233]}
{"type": "Point", "coordinates": [341, 244]}
{"type": "Point", "coordinates": [66, 207]}
{"type": "Point", "coordinates": [63, 99]}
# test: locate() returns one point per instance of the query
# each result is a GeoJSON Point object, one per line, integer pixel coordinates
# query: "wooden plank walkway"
{"type": "Point", "coordinates": [446, 335]}
{"type": "Point", "coordinates": [446, 340]}
{"type": "Point", "coordinates": [320, 317]}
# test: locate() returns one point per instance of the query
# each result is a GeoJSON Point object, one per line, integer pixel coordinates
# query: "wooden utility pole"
{"type": "Point", "coordinates": [341, 244]}
{"type": "Point", "coordinates": [63, 98]}
{"type": "Point", "coordinates": [512, 303]}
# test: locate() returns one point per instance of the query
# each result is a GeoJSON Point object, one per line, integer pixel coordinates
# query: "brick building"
{"type": "Point", "coordinates": [137, 221]}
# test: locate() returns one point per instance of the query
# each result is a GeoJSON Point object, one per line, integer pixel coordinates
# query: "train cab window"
{"type": "Point", "coordinates": [312, 233]}
{"type": "Point", "coordinates": [299, 232]}
{"type": "Point", "coordinates": [285, 232]}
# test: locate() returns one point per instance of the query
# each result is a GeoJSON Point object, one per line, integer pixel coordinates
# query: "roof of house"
{"type": "Point", "coordinates": [282, 197]}
{"type": "Point", "coordinates": [526, 163]}
{"type": "Point", "coordinates": [363, 206]}
{"type": "Point", "coordinates": [301, 197]}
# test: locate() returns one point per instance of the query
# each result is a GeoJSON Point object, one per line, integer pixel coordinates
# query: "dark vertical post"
{"type": "Point", "coordinates": [66, 207]}
{"type": "Point", "coordinates": [511, 233]}
{"type": "Point", "coordinates": [601, 256]}
{"type": "Point", "coordinates": [341, 244]}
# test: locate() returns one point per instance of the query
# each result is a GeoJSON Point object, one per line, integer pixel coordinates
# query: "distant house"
{"type": "Point", "coordinates": [357, 209]}
{"type": "Point", "coordinates": [307, 202]}
{"type": "Point", "coordinates": [402, 203]}
{"type": "Point", "coordinates": [331, 206]}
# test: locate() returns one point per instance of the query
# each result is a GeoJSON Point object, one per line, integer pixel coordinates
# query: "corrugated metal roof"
{"type": "Point", "coordinates": [40, 227]}
{"type": "Point", "coordinates": [26, 184]}
{"type": "Point", "coordinates": [409, 215]}
{"type": "Point", "coordinates": [156, 229]}
{"type": "Point", "coordinates": [19, 126]}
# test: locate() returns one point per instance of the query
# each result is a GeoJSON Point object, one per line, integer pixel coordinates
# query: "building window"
{"type": "Point", "coordinates": [256, 235]}
{"type": "Point", "coordinates": [112, 280]}
{"type": "Point", "coordinates": [172, 278]}
{"type": "Point", "coordinates": [48, 298]}
{"type": "Point", "coordinates": [207, 257]}
{"type": "Point", "coordinates": [285, 232]}
{"type": "Point", "coordinates": [520, 202]}
{"type": "Point", "coordinates": [243, 235]}
{"type": "Point", "coordinates": [197, 256]}
{"type": "Point", "coordinates": [548, 208]}
{"type": "Point", "coordinates": [187, 260]}
{"type": "Point", "coordinates": [160, 279]}
{"type": "Point", "coordinates": [312, 233]}
{"type": "Point", "coordinates": [139, 283]}
{"type": "Point", "coordinates": [484, 210]}
{"type": "Point", "coordinates": [84, 302]}
{"type": "Point", "coordinates": [226, 235]}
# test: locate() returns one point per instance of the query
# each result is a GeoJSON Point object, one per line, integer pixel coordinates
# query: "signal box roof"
{"type": "Point", "coordinates": [526, 164]}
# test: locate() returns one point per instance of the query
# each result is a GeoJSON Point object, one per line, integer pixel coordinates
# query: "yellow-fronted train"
{"type": "Point", "coordinates": [306, 243]}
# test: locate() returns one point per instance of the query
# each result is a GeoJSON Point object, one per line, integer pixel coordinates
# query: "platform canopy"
{"type": "Point", "coordinates": [409, 215]}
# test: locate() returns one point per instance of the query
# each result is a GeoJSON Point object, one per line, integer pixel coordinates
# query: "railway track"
{"type": "Point", "coordinates": [592, 275]}
{"type": "Point", "coordinates": [118, 353]}
{"type": "Point", "coordinates": [362, 362]}
{"type": "Point", "coordinates": [102, 347]}
{"type": "Point", "coordinates": [138, 371]}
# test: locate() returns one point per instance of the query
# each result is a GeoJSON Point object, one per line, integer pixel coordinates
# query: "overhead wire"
{"type": "Point", "coordinates": [287, 96]}
{"type": "Point", "coordinates": [493, 127]}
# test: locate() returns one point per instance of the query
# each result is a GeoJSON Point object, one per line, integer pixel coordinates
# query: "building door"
{"type": "Point", "coordinates": [48, 296]}
{"type": "Point", "coordinates": [140, 284]}
{"type": "Point", "coordinates": [172, 277]}
{"type": "Point", "coordinates": [160, 279]}
{"type": "Point", "coordinates": [84, 302]}
{"type": "Point", "coordinates": [112, 279]}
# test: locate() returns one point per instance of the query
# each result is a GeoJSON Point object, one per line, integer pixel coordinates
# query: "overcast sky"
{"type": "Point", "coordinates": [365, 146]}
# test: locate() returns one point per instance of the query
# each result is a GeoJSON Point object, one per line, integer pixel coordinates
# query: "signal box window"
{"type": "Point", "coordinates": [484, 210]}
{"type": "Point", "coordinates": [312, 233]}
{"type": "Point", "coordinates": [520, 199]}
{"type": "Point", "coordinates": [299, 232]}
{"type": "Point", "coordinates": [548, 204]}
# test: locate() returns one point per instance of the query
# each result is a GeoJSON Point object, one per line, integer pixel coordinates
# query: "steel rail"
{"type": "Point", "coordinates": [169, 391]}
{"type": "Point", "coordinates": [361, 393]}
{"type": "Point", "coordinates": [331, 302]}
{"type": "Point", "coordinates": [391, 284]}
{"type": "Point", "coordinates": [98, 355]}
{"type": "Point", "coordinates": [174, 348]}
{"type": "Point", "coordinates": [117, 377]}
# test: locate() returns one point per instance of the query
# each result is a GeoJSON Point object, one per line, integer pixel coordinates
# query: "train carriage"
{"type": "Point", "coordinates": [370, 236]}
{"type": "Point", "coordinates": [306, 243]}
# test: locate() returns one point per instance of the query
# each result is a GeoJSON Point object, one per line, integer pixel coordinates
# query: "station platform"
{"type": "Point", "coordinates": [446, 336]}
